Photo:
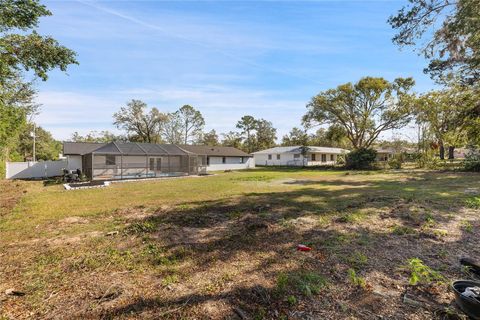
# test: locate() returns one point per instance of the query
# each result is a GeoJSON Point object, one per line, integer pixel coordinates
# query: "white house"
{"type": "Point", "coordinates": [222, 158]}
{"type": "Point", "coordinates": [293, 156]}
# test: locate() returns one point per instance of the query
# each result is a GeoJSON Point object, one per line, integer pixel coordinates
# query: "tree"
{"type": "Point", "coordinates": [446, 114]}
{"type": "Point", "coordinates": [232, 139]}
{"type": "Point", "coordinates": [18, 52]}
{"type": "Point", "coordinates": [334, 136]}
{"type": "Point", "coordinates": [172, 131]}
{"type": "Point", "coordinates": [46, 147]}
{"type": "Point", "coordinates": [248, 124]}
{"type": "Point", "coordinates": [28, 51]}
{"type": "Point", "coordinates": [364, 109]}
{"type": "Point", "coordinates": [266, 135]}
{"type": "Point", "coordinates": [139, 125]}
{"type": "Point", "coordinates": [17, 103]}
{"type": "Point", "coordinates": [449, 30]}
{"type": "Point", "coordinates": [97, 136]}
{"type": "Point", "coordinates": [192, 123]}
{"type": "Point", "coordinates": [296, 137]}
{"type": "Point", "coordinates": [209, 138]}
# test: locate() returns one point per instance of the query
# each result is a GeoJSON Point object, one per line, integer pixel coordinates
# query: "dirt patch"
{"type": "Point", "coordinates": [11, 192]}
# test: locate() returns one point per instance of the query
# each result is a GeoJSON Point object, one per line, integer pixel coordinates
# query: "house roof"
{"type": "Point", "coordinates": [125, 148]}
{"type": "Point", "coordinates": [136, 148]}
{"type": "Point", "coordinates": [216, 151]}
{"type": "Point", "coordinates": [297, 149]}
{"type": "Point", "coordinates": [80, 148]}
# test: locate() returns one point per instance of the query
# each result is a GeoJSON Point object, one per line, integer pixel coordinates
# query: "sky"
{"type": "Point", "coordinates": [224, 58]}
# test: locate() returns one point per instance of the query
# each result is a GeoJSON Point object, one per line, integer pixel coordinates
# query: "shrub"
{"type": "Point", "coordinates": [472, 161]}
{"type": "Point", "coordinates": [361, 159]}
{"type": "Point", "coordinates": [395, 163]}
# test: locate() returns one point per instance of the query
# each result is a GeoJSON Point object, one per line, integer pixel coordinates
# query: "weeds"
{"type": "Point", "coordinates": [467, 226]}
{"type": "Point", "coordinates": [402, 230]}
{"type": "Point", "coordinates": [357, 260]}
{"type": "Point", "coordinates": [357, 280]}
{"type": "Point", "coordinates": [421, 273]}
{"type": "Point", "coordinates": [307, 283]}
{"type": "Point", "coordinates": [473, 203]}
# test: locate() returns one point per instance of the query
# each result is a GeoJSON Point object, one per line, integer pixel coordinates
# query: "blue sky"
{"type": "Point", "coordinates": [225, 58]}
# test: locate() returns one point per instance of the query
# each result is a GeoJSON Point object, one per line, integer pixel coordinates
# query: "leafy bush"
{"type": "Point", "coordinates": [395, 163]}
{"type": "Point", "coordinates": [472, 161]}
{"type": "Point", "coordinates": [428, 160]}
{"type": "Point", "coordinates": [361, 159]}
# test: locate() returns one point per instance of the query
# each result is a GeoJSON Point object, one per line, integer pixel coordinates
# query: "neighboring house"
{"type": "Point", "coordinates": [384, 154]}
{"type": "Point", "coordinates": [293, 156]}
{"type": "Point", "coordinates": [222, 158]}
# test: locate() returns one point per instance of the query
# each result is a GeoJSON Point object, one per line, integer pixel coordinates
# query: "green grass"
{"type": "Point", "coordinates": [228, 235]}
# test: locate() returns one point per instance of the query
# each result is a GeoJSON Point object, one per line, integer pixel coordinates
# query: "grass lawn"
{"type": "Point", "coordinates": [224, 246]}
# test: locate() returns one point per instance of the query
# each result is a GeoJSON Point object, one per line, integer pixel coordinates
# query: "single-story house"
{"type": "Point", "coordinates": [385, 154]}
{"type": "Point", "coordinates": [222, 158]}
{"type": "Point", "coordinates": [293, 156]}
{"type": "Point", "coordinates": [130, 160]}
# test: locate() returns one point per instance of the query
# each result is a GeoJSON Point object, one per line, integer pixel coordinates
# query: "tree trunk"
{"type": "Point", "coordinates": [442, 150]}
{"type": "Point", "coordinates": [451, 150]}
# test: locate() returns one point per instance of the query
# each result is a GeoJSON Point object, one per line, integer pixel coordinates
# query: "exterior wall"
{"type": "Point", "coordinates": [34, 170]}
{"type": "Point", "coordinates": [231, 163]}
{"type": "Point", "coordinates": [384, 156]}
{"type": "Point", "coordinates": [288, 159]}
{"type": "Point", "coordinates": [74, 162]}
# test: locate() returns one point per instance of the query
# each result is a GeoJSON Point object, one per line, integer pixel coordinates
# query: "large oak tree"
{"type": "Point", "coordinates": [364, 109]}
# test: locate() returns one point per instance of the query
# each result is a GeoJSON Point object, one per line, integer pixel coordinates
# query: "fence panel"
{"type": "Point", "coordinates": [34, 170]}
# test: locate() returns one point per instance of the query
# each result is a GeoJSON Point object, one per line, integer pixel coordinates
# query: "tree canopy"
{"type": "Point", "coordinates": [140, 125]}
{"type": "Point", "coordinates": [364, 109]}
{"type": "Point", "coordinates": [28, 51]}
{"type": "Point", "coordinates": [449, 32]}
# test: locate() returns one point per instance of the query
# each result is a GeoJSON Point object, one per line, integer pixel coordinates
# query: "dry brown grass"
{"type": "Point", "coordinates": [223, 253]}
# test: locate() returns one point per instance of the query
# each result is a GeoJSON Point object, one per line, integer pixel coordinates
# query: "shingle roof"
{"type": "Point", "coordinates": [80, 148]}
{"type": "Point", "coordinates": [296, 149]}
{"type": "Point", "coordinates": [216, 151]}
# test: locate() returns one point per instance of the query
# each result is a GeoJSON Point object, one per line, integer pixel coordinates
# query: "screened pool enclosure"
{"type": "Point", "coordinates": [130, 160]}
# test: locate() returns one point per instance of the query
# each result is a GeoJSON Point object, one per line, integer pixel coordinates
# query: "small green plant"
{"type": "Point", "coordinates": [141, 227]}
{"type": "Point", "coordinates": [292, 300]}
{"type": "Point", "coordinates": [421, 273]}
{"type": "Point", "coordinates": [356, 280]}
{"type": "Point", "coordinates": [308, 283]}
{"type": "Point", "coordinates": [467, 226]}
{"type": "Point", "coordinates": [402, 230]}
{"type": "Point", "coordinates": [473, 202]}
{"type": "Point", "coordinates": [357, 260]}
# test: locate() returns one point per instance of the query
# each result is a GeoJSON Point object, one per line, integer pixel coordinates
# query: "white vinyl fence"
{"type": "Point", "coordinates": [32, 170]}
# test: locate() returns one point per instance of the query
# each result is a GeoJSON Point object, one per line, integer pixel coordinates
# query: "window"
{"type": "Point", "coordinates": [224, 159]}
{"type": "Point", "coordinates": [208, 161]}
{"type": "Point", "coordinates": [332, 157]}
{"type": "Point", "coordinates": [269, 157]}
{"type": "Point", "coordinates": [278, 157]}
{"type": "Point", "coordinates": [152, 164]}
{"type": "Point", "coordinates": [159, 164]}
{"type": "Point", "coordinates": [110, 160]}
{"type": "Point", "coordinates": [324, 158]}
{"type": "Point", "coordinates": [296, 156]}
{"type": "Point", "coordinates": [241, 160]}
{"type": "Point", "coordinates": [313, 157]}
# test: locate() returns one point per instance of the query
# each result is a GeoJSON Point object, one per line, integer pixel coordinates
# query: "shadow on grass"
{"type": "Point", "coordinates": [263, 229]}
